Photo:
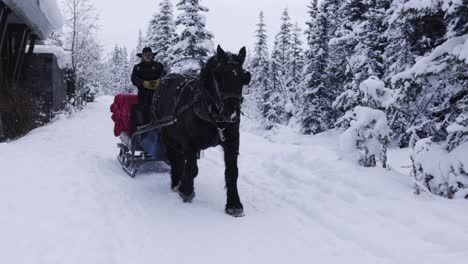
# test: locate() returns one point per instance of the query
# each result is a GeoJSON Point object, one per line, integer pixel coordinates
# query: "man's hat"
{"type": "Point", "coordinates": [146, 49]}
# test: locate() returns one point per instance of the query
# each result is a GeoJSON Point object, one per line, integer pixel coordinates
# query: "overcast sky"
{"type": "Point", "coordinates": [232, 21]}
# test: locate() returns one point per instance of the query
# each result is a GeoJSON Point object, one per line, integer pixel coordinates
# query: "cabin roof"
{"type": "Point", "coordinates": [41, 16]}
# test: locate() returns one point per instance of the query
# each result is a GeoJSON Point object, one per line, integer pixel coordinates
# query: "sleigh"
{"type": "Point", "coordinates": [140, 144]}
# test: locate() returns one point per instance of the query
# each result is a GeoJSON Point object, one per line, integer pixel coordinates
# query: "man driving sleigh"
{"type": "Point", "coordinates": [146, 76]}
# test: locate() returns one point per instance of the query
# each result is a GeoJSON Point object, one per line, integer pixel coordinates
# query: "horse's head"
{"type": "Point", "coordinates": [225, 78]}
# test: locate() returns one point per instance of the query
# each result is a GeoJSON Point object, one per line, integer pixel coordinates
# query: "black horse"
{"type": "Point", "coordinates": [206, 112]}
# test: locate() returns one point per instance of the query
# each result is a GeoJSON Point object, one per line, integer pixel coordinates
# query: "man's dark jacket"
{"type": "Point", "coordinates": [146, 71]}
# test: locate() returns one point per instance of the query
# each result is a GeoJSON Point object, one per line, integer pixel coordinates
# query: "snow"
{"type": "Point", "coordinates": [374, 90]}
{"type": "Point", "coordinates": [65, 199]}
{"type": "Point", "coordinates": [445, 168]}
{"type": "Point", "coordinates": [453, 128]}
{"type": "Point", "coordinates": [43, 16]}
{"type": "Point", "coordinates": [187, 66]}
{"type": "Point", "coordinates": [63, 57]}
{"type": "Point", "coordinates": [461, 51]}
{"type": "Point", "coordinates": [420, 5]}
{"type": "Point", "coordinates": [366, 124]}
{"type": "Point", "coordinates": [456, 46]}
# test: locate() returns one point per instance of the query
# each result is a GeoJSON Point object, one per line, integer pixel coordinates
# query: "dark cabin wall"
{"type": "Point", "coordinates": [46, 82]}
{"type": "Point", "coordinates": [29, 83]}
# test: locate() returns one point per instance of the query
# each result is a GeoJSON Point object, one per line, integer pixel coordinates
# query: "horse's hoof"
{"type": "Point", "coordinates": [235, 212]}
{"type": "Point", "coordinates": [187, 198]}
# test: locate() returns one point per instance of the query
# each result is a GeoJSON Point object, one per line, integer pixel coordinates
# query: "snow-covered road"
{"type": "Point", "coordinates": [65, 199]}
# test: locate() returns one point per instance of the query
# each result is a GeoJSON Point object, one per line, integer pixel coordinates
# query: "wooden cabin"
{"type": "Point", "coordinates": [22, 24]}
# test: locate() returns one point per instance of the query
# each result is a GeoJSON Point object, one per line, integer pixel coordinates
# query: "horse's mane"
{"type": "Point", "coordinates": [205, 73]}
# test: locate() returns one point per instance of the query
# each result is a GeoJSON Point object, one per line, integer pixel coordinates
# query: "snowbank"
{"type": "Point", "coordinates": [43, 16]}
{"type": "Point", "coordinates": [441, 172]}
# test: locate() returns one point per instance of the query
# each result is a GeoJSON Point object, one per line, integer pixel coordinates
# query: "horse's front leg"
{"type": "Point", "coordinates": [233, 206]}
{"type": "Point", "coordinates": [186, 188]}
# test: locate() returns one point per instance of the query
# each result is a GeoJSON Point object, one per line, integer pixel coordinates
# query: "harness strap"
{"type": "Point", "coordinates": [175, 111]}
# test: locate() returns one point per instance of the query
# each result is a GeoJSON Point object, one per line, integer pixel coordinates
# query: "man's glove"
{"type": "Point", "coordinates": [151, 85]}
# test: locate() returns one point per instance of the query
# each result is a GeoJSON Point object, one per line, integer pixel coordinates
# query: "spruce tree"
{"type": "Point", "coordinates": [422, 30]}
{"type": "Point", "coordinates": [335, 71]}
{"type": "Point", "coordinates": [456, 18]}
{"type": "Point", "coordinates": [258, 65]}
{"type": "Point", "coordinates": [275, 98]}
{"type": "Point", "coordinates": [134, 59]}
{"type": "Point", "coordinates": [361, 41]}
{"type": "Point", "coordinates": [280, 67]}
{"type": "Point", "coordinates": [119, 71]}
{"type": "Point", "coordinates": [316, 113]}
{"type": "Point", "coordinates": [193, 46]}
{"type": "Point", "coordinates": [165, 33]}
{"type": "Point", "coordinates": [151, 37]}
{"type": "Point", "coordinates": [296, 63]}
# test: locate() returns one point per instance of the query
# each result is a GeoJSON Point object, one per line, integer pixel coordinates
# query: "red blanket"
{"type": "Point", "coordinates": [121, 109]}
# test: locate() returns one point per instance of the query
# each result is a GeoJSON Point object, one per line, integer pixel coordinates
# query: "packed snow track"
{"type": "Point", "coordinates": [65, 199]}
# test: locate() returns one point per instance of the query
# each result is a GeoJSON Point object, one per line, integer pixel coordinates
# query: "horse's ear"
{"type": "Point", "coordinates": [242, 55]}
{"type": "Point", "coordinates": [221, 54]}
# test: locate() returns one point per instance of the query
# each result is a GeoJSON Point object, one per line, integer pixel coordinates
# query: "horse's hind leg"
{"type": "Point", "coordinates": [186, 188]}
{"type": "Point", "coordinates": [176, 160]}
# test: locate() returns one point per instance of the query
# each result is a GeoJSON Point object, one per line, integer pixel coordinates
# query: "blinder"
{"type": "Point", "coordinates": [246, 78]}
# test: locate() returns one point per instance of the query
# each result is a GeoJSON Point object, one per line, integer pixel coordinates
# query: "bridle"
{"type": "Point", "coordinates": [204, 108]}
{"type": "Point", "coordinates": [220, 96]}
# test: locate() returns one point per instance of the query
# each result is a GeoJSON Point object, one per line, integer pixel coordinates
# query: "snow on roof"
{"type": "Point", "coordinates": [63, 56]}
{"type": "Point", "coordinates": [42, 16]}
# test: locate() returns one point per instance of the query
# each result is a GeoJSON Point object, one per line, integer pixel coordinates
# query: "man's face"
{"type": "Point", "coordinates": [147, 56]}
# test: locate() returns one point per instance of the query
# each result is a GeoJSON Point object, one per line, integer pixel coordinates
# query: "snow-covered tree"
{"type": "Point", "coordinates": [433, 104]}
{"type": "Point", "coordinates": [165, 33]}
{"type": "Point", "coordinates": [448, 177]}
{"type": "Point", "coordinates": [134, 59]}
{"type": "Point", "coordinates": [258, 65]}
{"type": "Point", "coordinates": [81, 32]}
{"type": "Point", "coordinates": [151, 36]}
{"type": "Point", "coordinates": [426, 67]}
{"type": "Point", "coordinates": [118, 72]}
{"type": "Point", "coordinates": [367, 137]}
{"type": "Point", "coordinates": [280, 67]}
{"type": "Point", "coordinates": [316, 114]}
{"type": "Point", "coordinates": [336, 57]}
{"type": "Point", "coordinates": [55, 39]}
{"type": "Point", "coordinates": [456, 18]}
{"type": "Point", "coordinates": [425, 31]}
{"type": "Point", "coordinates": [193, 45]}
{"type": "Point", "coordinates": [297, 62]}
{"type": "Point", "coordinates": [360, 43]}
{"type": "Point", "coordinates": [367, 125]}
